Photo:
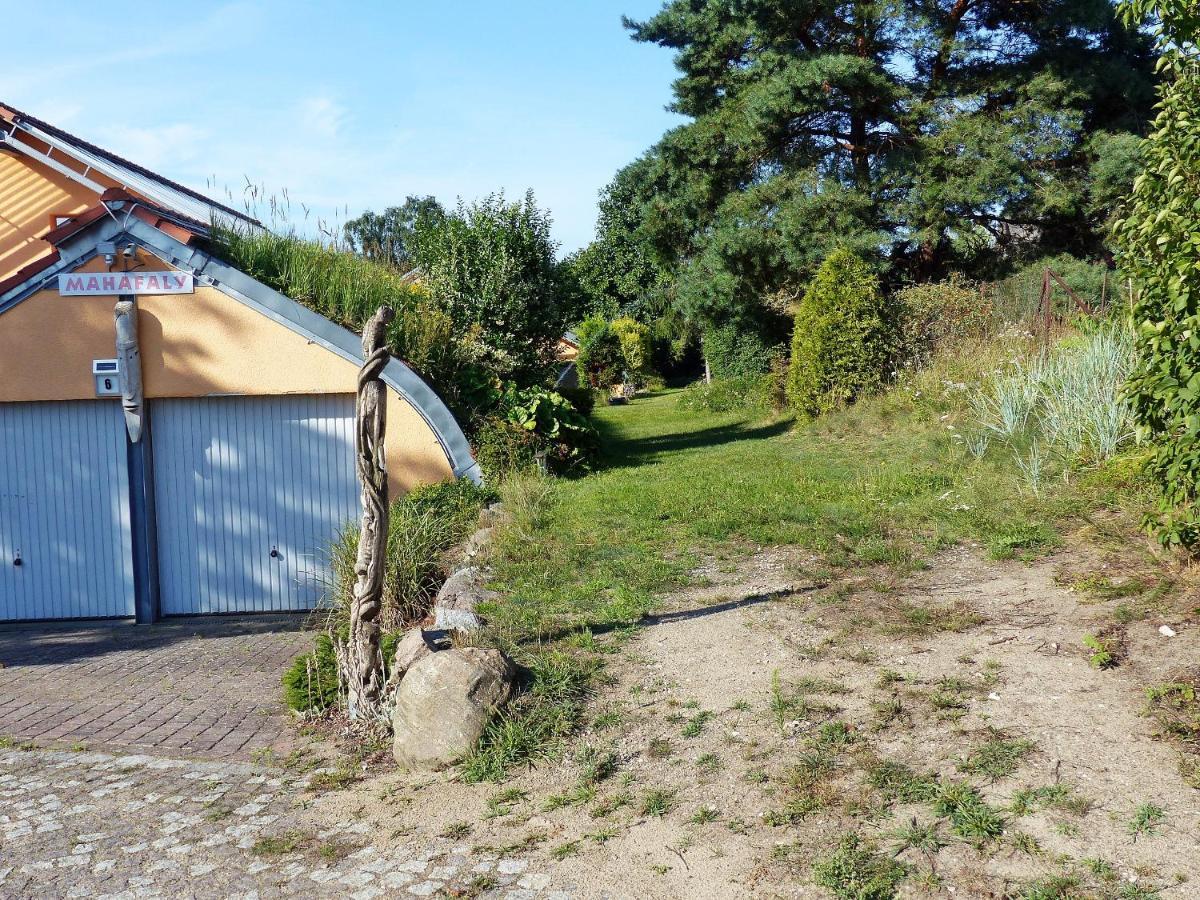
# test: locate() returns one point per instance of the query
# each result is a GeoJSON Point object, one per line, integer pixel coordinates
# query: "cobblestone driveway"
{"type": "Point", "coordinates": [205, 687]}
{"type": "Point", "coordinates": [99, 825]}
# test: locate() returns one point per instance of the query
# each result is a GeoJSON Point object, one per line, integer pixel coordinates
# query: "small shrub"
{"type": "Point", "coordinates": [938, 316]}
{"type": "Point", "coordinates": [841, 344]}
{"type": "Point", "coordinates": [582, 398]}
{"type": "Point", "coordinates": [503, 449]}
{"type": "Point", "coordinates": [855, 871]}
{"type": "Point", "coordinates": [734, 352]}
{"type": "Point", "coordinates": [532, 428]}
{"type": "Point", "coordinates": [311, 683]}
{"type": "Point", "coordinates": [748, 394]}
{"type": "Point", "coordinates": [564, 434]}
{"type": "Point", "coordinates": [611, 352]}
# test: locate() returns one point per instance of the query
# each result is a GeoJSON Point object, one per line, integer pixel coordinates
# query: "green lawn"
{"type": "Point", "coordinates": [885, 483]}
{"type": "Point", "coordinates": [873, 486]}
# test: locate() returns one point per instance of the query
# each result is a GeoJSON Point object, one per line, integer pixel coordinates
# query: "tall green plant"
{"type": "Point", "coordinates": [841, 343]}
{"type": "Point", "coordinates": [491, 266]}
{"type": "Point", "coordinates": [1160, 247]}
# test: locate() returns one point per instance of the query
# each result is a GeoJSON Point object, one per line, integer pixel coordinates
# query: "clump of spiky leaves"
{"type": "Point", "coordinates": [997, 757]}
{"type": "Point", "coordinates": [970, 817]}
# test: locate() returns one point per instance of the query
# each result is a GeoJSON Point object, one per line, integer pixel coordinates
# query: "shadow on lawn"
{"type": "Point", "coordinates": [621, 451]}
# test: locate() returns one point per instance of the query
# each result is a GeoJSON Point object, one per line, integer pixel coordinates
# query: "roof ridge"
{"type": "Point", "coordinates": [97, 150]}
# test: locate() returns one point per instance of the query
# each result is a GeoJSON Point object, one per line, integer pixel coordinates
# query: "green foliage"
{"type": "Point", "coordinates": [348, 289]}
{"type": "Point", "coordinates": [310, 684]}
{"type": "Point", "coordinates": [1101, 652]}
{"type": "Point", "coordinates": [733, 351]}
{"type": "Point", "coordinates": [1175, 706]}
{"type": "Point", "coordinates": [490, 265]}
{"type": "Point", "coordinates": [582, 398]}
{"type": "Point", "coordinates": [612, 352]}
{"type": "Point", "coordinates": [998, 757]}
{"type": "Point", "coordinates": [601, 360]}
{"type": "Point", "coordinates": [1067, 399]}
{"type": "Point", "coordinates": [388, 236]}
{"type": "Point", "coordinates": [423, 524]}
{"type": "Point", "coordinates": [856, 871]}
{"type": "Point", "coordinates": [620, 273]}
{"type": "Point", "coordinates": [530, 727]}
{"type": "Point", "coordinates": [634, 339]}
{"type": "Point", "coordinates": [750, 394]}
{"type": "Point", "coordinates": [841, 344]}
{"type": "Point", "coordinates": [1157, 235]}
{"type": "Point", "coordinates": [936, 317]}
{"type": "Point", "coordinates": [1017, 297]}
{"type": "Point", "coordinates": [888, 128]}
{"type": "Point", "coordinates": [503, 449]}
{"type": "Point", "coordinates": [970, 817]}
{"type": "Point", "coordinates": [532, 424]}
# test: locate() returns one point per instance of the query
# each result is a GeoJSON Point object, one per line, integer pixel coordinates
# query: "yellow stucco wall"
{"type": "Point", "coordinates": [193, 345]}
{"type": "Point", "coordinates": [30, 193]}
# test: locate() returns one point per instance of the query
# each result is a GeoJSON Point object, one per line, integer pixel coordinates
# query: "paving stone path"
{"type": "Point", "coordinates": [98, 825]}
{"type": "Point", "coordinates": [204, 687]}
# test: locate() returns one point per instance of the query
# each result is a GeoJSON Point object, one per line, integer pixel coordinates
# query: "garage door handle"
{"type": "Point", "coordinates": [274, 553]}
{"type": "Point", "coordinates": [17, 559]}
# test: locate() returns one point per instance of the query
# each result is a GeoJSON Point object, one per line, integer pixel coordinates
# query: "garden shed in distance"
{"type": "Point", "coordinates": [242, 472]}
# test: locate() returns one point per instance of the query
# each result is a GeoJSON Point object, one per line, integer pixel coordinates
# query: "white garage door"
{"type": "Point", "coordinates": [64, 512]}
{"type": "Point", "coordinates": [249, 494]}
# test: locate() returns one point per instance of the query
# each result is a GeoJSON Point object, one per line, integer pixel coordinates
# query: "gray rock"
{"type": "Point", "coordinates": [456, 603]}
{"type": "Point", "coordinates": [444, 703]}
{"type": "Point", "coordinates": [414, 646]}
{"type": "Point", "coordinates": [477, 543]}
{"type": "Point", "coordinates": [492, 515]}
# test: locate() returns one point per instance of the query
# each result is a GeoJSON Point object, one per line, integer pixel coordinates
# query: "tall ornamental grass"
{"type": "Point", "coordinates": [348, 290]}
{"type": "Point", "coordinates": [1067, 399]}
{"type": "Point", "coordinates": [423, 525]}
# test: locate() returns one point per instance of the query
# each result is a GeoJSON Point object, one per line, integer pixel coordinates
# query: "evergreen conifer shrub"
{"type": "Point", "coordinates": [842, 341]}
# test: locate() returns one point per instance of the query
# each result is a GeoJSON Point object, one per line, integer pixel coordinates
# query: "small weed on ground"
{"type": "Point", "coordinates": [856, 871]}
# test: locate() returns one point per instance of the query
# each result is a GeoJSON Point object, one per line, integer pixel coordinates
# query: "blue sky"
{"type": "Point", "coordinates": [350, 106]}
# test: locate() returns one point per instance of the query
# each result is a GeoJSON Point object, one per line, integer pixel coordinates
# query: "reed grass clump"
{"type": "Point", "coordinates": [1067, 399]}
{"type": "Point", "coordinates": [422, 526]}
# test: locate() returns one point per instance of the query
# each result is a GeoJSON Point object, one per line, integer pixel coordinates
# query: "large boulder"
{"type": "Point", "coordinates": [444, 703]}
{"type": "Point", "coordinates": [456, 604]}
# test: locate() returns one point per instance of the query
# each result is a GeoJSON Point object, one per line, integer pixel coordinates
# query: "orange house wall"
{"type": "Point", "coordinates": [30, 194]}
{"type": "Point", "coordinates": [193, 345]}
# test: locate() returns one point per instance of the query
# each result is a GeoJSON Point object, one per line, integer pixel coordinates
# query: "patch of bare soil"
{"type": "Point", "coordinates": [951, 721]}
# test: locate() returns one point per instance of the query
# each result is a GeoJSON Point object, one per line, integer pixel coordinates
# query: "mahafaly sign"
{"type": "Point", "coordinates": [108, 283]}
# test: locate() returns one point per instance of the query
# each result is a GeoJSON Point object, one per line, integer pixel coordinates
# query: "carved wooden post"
{"type": "Point", "coordinates": [125, 314]}
{"type": "Point", "coordinates": [364, 678]}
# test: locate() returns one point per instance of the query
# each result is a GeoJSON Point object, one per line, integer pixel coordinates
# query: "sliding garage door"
{"type": "Point", "coordinates": [65, 543]}
{"type": "Point", "coordinates": [249, 494]}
